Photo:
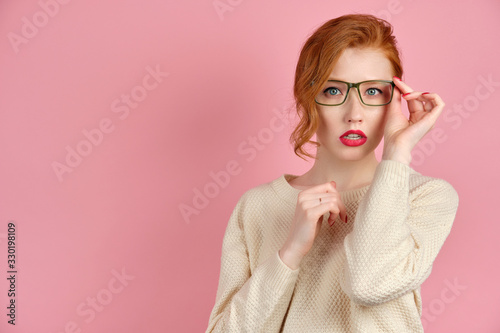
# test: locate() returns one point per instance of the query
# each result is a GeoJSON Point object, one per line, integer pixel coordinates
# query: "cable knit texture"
{"type": "Point", "coordinates": [363, 276]}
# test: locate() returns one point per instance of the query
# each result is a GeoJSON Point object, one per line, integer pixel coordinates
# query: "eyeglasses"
{"type": "Point", "coordinates": [371, 92]}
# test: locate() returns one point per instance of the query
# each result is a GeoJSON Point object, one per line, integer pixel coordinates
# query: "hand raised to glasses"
{"type": "Point", "coordinates": [401, 134]}
{"type": "Point", "coordinates": [312, 204]}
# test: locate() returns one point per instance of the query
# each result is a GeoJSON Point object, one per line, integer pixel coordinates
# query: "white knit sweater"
{"type": "Point", "coordinates": [363, 276]}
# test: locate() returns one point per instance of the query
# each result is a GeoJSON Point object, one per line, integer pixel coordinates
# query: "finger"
{"type": "Point", "coordinates": [428, 104]}
{"type": "Point", "coordinates": [437, 104]}
{"type": "Point", "coordinates": [313, 200]}
{"type": "Point", "coordinates": [320, 210]}
{"type": "Point", "coordinates": [324, 203]}
{"type": "Point", "coordinates": [415, 105]}
{"type": "Point", "coordinates": [402, 86]}
{"type": "Point", "coordinates": [338, 208]}
{"type": "Point", "coordinates": [310, 198]}
{"type": "Point", "coordinates": [343, 211]}
{"type": "Point", "coordinates": [431, 101]}
{"type": "Point", "coordinates": [334, 211]}
{"type": "Point", "coordinates": [411, 97]}
{"type": "Point", "coordinates": [434, 98]}
{"type": "Point", "coordinates": [324, 197]}
{"type": "Point", "coordinates": [328, 187]}
{"type": "Point", "coordinates": [306, 196]}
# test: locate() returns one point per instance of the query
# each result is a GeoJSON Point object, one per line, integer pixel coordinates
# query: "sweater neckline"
{"type": "Point", "coordinates": [289, 193]}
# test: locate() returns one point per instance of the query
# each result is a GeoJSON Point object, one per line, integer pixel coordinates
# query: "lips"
{"type": "Point", "coordinates": [359, 132]}
{"type": "Point", "coordinates": [353, 142]}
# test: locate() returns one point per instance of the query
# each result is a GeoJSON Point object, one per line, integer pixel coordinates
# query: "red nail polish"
{"type": "Point", "coordinates": [426, 93]}
{"type": "Point", "coordinates": [397, 78]}
{"type": "Point", "coordinates": [406, 94]}
{"type": "Point", "coordinates": [346, 219]}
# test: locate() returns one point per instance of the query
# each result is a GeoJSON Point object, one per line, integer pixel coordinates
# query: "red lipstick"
{"type": "Point", "coordinates": [353, 140]}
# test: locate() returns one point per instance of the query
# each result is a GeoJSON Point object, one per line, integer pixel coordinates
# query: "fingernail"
{"type": "Point", "coordinates": [397, 78]}
{"type": "Point", "coordinates": [426, 93]}
{"type": "Point", "coordinates": [406, 94]}
{"type": "Point", "coordinates": [346, 219]}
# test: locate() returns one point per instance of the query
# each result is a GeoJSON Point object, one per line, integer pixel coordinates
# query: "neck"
{"type": "Point", "coordinates": [347, 174]}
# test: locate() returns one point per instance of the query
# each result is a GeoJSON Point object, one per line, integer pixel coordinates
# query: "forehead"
{"type": "Point", "coordinates": [355, 65]}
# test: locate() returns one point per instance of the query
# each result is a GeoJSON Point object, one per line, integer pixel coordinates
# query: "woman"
{"type": "Point", "coordinates": [282, 268]}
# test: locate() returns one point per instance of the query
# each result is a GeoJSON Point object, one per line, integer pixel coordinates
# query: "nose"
{"type": "Point", "coordinates": [354, 107]}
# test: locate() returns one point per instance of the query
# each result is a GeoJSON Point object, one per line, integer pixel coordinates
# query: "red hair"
{"type": "Point", "coordinates": [319, 55]}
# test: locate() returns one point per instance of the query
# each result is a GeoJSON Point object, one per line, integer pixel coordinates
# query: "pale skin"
{"type": "Point", "coordinates": [340, 167]}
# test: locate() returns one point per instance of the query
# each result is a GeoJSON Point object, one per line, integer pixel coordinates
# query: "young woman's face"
{"type": "Point", "coordinates": [354, 65]}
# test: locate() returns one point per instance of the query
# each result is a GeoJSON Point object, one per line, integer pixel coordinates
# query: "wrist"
{"type": "Point", "coordinates": [289, 258]}
{"type": "Point", "coordinates": [401, 159]}
{"type": "Point", "coordinates": [397, 155]}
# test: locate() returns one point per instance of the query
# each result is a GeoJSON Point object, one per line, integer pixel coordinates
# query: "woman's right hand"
{"type": "Point", "coordinates": [308, 219]}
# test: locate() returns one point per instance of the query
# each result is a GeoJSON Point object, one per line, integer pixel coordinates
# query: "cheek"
{"type": "Point", "coordinates": [378, 124]}
{"type": "Point", "coordinates": [382, 121]}
{"type": "Point", "coordinates": [382, 118]}
{"type": "Point", "coordinates": [325, 122]}
{"type": "Point", "coordinates": [328, 124]}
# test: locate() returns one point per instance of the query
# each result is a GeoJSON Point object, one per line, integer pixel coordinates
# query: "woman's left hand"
{"type": "Point", "coordinates": [401, 134]}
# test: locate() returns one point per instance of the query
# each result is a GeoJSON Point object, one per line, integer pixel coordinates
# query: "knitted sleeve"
{"type": "Point", "coordinates": [249, 301]}
{"type": "Point", "coordinates": [397, 234]}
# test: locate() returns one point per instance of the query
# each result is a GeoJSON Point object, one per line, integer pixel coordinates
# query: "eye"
{"type": "Point", "coordinates": [332, 91]}
{"type": "Point", "coordinates": [373, 91]}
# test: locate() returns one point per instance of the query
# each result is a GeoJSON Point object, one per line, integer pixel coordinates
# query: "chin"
{"type": "Point", "coordinates": [356, 153]}
{"type": "Point", "coordinates": [346, 153]}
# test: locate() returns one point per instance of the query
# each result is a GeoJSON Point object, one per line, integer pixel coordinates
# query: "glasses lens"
{"type": "Point", "coordinates": [375, 92]}
{"type": "Point", "coordinates": [333, 93]}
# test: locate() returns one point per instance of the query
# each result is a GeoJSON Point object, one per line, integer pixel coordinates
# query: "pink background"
{"type": "Point", "coordinates": [228, 77]}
